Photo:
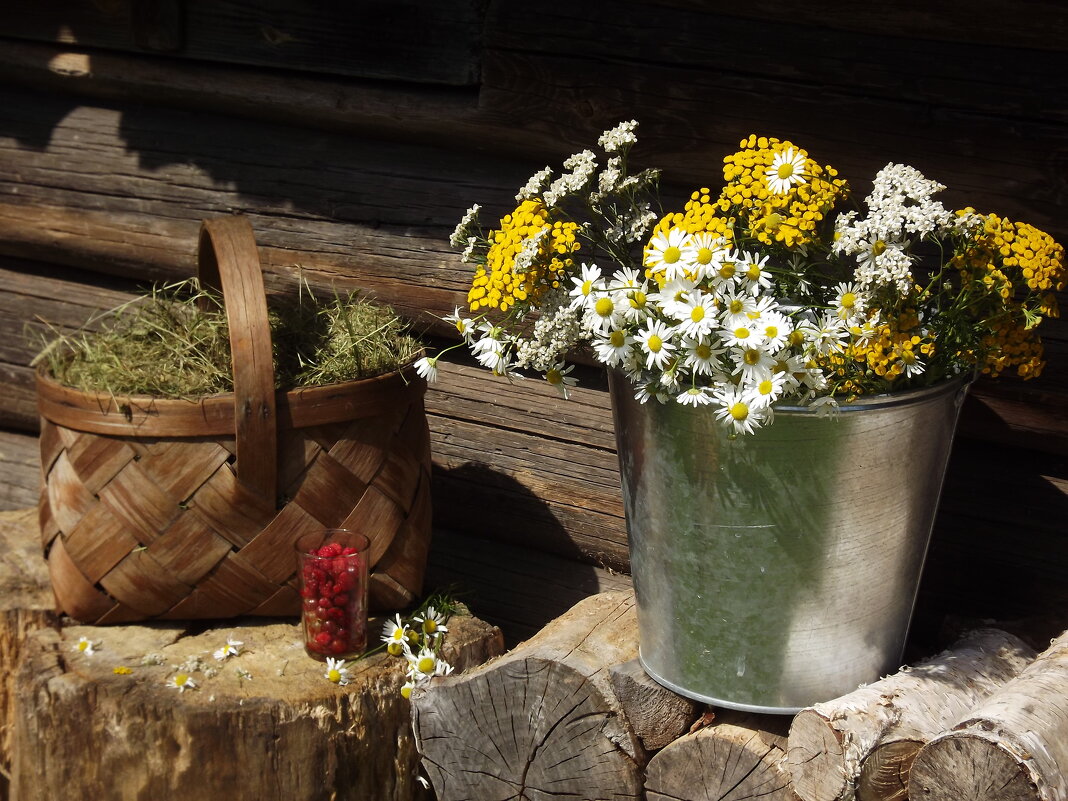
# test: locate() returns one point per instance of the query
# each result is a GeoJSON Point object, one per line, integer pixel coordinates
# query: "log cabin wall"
{"type": "Point", "coordinates": [354, 136]}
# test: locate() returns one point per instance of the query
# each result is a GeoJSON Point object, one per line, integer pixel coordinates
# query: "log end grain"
{"type": "Point", "coordinates": [815, 757]}
{"type": "Point", "coordinates": [959, 766]}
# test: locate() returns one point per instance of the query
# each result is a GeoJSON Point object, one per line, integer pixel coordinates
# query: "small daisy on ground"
{"type": "Point", "coordinates": [232, 648]}
{"type": "Point", "coordinates": [787, 169]}
{"type": "Point", "coordinates": [85, 646]}
{"type": "Point", "coordinates": [336, 671]}
{"type": "Point", "coordinates": [432, 622]}
{"type": "Point", "coordinates": [182, 682]}
{"type": "Point", "coordinates": [395, 635]}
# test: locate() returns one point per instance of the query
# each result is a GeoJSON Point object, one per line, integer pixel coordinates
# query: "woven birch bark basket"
{"type": "Point", "coordinates": [157, 508]}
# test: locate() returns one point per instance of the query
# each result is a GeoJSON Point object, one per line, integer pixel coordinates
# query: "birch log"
{"type": "Point", "coordinates": [264, 724]}
{"type": "Point", "coordinates": [862, 744]}
{"type": "Point", "coordinates": [1011, 747]}
{"type": "Point", "coordinates": [740, 757]}
{"type": "Point", "coordinates": [542, 721]}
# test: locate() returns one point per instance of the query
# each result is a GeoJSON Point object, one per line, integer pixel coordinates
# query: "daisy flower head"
{"type": "Point", "coordinates": [588, 279]}
{"type": "Point", "coordinates": [614, 348]}
{"type": "Point", "coordinates": [664, 253]}
{"type": "Point", "coordinates": [603, 312]}
{"type": "Point", "coordinates": [432, 622]}
{"type": "Point", "coordinates": [422, 665]}
{"type": "Point", "coordinates": [182, 682]}
{"type": "Point", "coordinates": [695, 396]}
{"type": "Point", "coordinates": [465, 326]}
{"type": "Point", "coordinates": [655, 341]}
{"type": "Point", "coordinates": [703, 252]}
{"type": "Point", "coordinates": [700, 356]}
{"type": "Point", "coordinates": [84, 646]}
{"type": "Point", "coordinates": [775, 328]}
{"type": "Point", "coordinates": [427, 368]}
{"type": "Point", "coordinates": [754, 363]}
{"type": "Point", "coordinates": [724, 273]}
{"type": "Point", "coordinates": [558, 377]}
{"type": "Point", "coordinates": [735, 411]}
{"type": "Point", "coordinates": [737, 306]}
{"type": "Point", "coordinates": [336, 671]}
{"type": "Point", "coordinates": [741, 336]}
{"type": "Point", "coordinates": [766, 391]}
{"type": "Point", "coordinates": [786, 170]}
{"type": "Point", "coordinates": [651, 390]}
{"type": "Point", "coordinates": [395, 635]}
{"type": "Point", "coordinates": [231, 648]}
{"type": "Point", "coordinates": [754, 278]}
{"type": "Point", "coordinates": [673, 296]}
{"type": "Point", "coordinates": [696, 314]}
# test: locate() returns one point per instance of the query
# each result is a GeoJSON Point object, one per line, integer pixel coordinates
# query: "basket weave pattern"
{"type": "Point", "coordinates": [137, 523]}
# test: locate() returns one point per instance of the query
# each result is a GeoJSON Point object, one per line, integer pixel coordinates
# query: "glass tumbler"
{"type": "Point", "coordinates": [332, 571]}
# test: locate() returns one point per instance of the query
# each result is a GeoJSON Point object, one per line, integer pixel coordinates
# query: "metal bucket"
{"type": "Point", "coordinates": [780, 569]}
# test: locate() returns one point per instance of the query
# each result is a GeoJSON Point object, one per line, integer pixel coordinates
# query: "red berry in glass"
{"type": "Point", "coordinates": [334, 618]}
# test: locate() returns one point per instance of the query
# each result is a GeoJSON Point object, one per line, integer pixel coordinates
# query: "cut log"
{"type": "Point", "coordinates": [263, 724]}
{"type": "Point", "coordinates": [1011, 747]}
{"type": "Point", "coordinates": [739, 757]}
{"type": "Point", "coordinates": [26, 605]}
{"type": "Point", "coordinates": [541, 721]}
{"type": "Point", "coordinates": [862, 744]}
{"type": "Point", "coordinates": [656, 714]}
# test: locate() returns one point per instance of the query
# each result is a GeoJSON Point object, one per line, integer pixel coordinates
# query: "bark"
{"type": "Point", "coordinates": [657, 715]}
{"type": "Point", "coordinates": [1011, 747]}
{"type": "Point", "coordinates": [862, 744]}
{"type": "Point", "coordinates": [541, 721]}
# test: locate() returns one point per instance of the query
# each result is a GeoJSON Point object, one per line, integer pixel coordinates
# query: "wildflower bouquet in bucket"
{"type": "Point", "coordinates": [778, 289]}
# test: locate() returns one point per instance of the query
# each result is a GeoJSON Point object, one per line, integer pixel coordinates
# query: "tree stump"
{"type": "Point", "coordinates": [738, 758]}
{"type": "Point", "coordinates": [862, 744]}
{"type": "Point", "coordinates": [264, 724]}
{"type": "Point", "coordinates": [26, 605]}
{"type": "Point", "coordinates": [1011, 747]}
{"type": "Point", "coordinates": [542, 721]}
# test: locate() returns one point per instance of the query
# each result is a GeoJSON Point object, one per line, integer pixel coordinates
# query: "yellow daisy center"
{"type": "Point", "coordinates": [617, 338]}
{"type": "Point", "coordinates": [637, 300]}
{"type": "Point", "coordinates": [181, 679]}
{"type": "Point", "coordinates": [654, 343]}
{"type": "Point", "coordinates": [772, 332]}
{"type": "Point", "coordinates": [671, 255]}
{"type": "Point", "coordinates": [765, 387]}
{"type": "Point", "coordinates": [425, 664]}
{"type": "Point", "coordinates": [735, 306]}
{"type": "Point", "coordinates": [703, 351]}
{"type": "Point", "coordinates": [697, 313]}
{"type": "Point", "coordinates": [726, 270]}
{"type": "Point", "coordinates": [741, 333]}
{"type": "Point", "coordinates": [751, 357]}
{"type": "Point", "coordinates": [604, 307]}
{"type": "Point", "coordinates": [785, 170]}
{"type": "Point", "coordinates": [587, 286]}
{"type": "Point", "coordinates": [704, 255]}
{"type": "Point", "coordinates": [878, 248]}
{"type": "Point", "coordinates": [334, 675]}
{"type": "Point", "coordinates": [739, 411]}
{"type": "Point", "coordinates": [430, 626]}
{"type": "Point", "coordinates": [554, 376]}
{"type": "Point", "coordinates": [753, 273]}
{"type": "Point", "coordinates": [849, 300]}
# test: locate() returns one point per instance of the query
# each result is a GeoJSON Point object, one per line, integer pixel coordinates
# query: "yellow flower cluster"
{"type": "Point", "coordinates": [498, 284]}
{"type": "Point", "coordinates": [700, 215]}
{"type": "Point", "coordinates": [887, 352]}
{"type": "Point", "coordinates": [1013, 268]}
{"type": "Point", "coordinates": [789, 217]}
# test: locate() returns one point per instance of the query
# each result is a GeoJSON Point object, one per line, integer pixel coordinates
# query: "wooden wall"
{"type": "Point", "coordinates": [354, 135]}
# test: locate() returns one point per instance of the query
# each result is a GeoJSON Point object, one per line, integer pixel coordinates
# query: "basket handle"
{"type": "Point", "coordinates": [227, 260]}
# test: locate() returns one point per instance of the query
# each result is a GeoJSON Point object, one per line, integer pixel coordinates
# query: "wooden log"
{"type": "Point", "coordinates": [1011, 747]}
{"type": "Point", "coordinates": [657, 715]}
{"type": "Point", "coordinates": [266, 723]}
{"type": "Point", "coordinates": [541, 721]}
{"type": "Point", "coordinates": [862, 744]}
{"type": "Point", "coordinates": [737, 758]}
{"type": "Point", "coordinates": [26, 605]}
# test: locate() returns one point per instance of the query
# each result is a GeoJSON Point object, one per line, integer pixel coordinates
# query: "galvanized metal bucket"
{"type": "Point", "coordinates": [780, 569]}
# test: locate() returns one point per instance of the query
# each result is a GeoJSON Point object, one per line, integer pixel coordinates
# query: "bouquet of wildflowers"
{"type": "Point", "coordinates": [778, 289]}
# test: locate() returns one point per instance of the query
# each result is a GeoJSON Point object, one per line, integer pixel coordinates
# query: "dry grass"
{"type": "Point", "coordinates": [174, 343]}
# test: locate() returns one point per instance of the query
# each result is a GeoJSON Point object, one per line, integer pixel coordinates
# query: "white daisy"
{"type": "Point", "coordinates": [747, 335]}
{"type": "Point", "coordinates": [427, 368]}
{"type": "Point", "coordinates": [766, 391]}
{"type": "Point", "coordinates": [614, 348]}
{"type": "Point", "coordinates": [725, 272]}
{"type": "Point", "coordinates": [673, 297]}
{"type": "Point", "coordinates": [432, 622]}
{"type": "Point", "coordinates": [695, 396]}
{"type": "Point", "coordinates": [735, 411]}
{"type": "Point", "coordinates": [182, 682]}
{"type": "Point", "coordinates": [737, 307]}
{"type": "Point", "coordinates": [753, 276]}
{"type": "Point", "coordinates": [910, 363]}
{"type": "Point", "coordinates": [650, 390]}
{"type": "Point", "coordinates": [84, 646]}
{"type": "Point", "coordinates": [336, 671]}
{"type": "Point", "coordinates": [656, 344]}
{"type": "Point", "coordinates": [232, 648]}
{"type": "Point", "coordinates": [703, 252]}
{"type": "Point", "coordinates": [603, 313]}
{"type": "Point", "coordinates": [787, 169]}
{"type": "Point", "coordinates": [558, 377]}
{"type": "Point", "coordinates": [775, 328]}
{"type": "Point", "coordinates": [701, 357]}
{"type": "Point", "coordinates": [465, 326]}
{"type": "Point", "coordinates": [696, 314]}
{"type": "Point", "coordinates": [422, 665]}
{"type": "Point", "coordinates": [588, 279]}
{"type": "Point", "coordinates": [664, 253]}
{"type": "Point", "coordinates": [395, 635]}
{"type": "Point", "coordinates": [849, 301]}
{"type": "Point", "coordinates": [754, 363]}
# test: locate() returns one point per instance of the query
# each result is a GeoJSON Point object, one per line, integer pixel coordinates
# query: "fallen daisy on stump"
{"type": "Point", "coordinates": [182, 682]}
{"type": "Point", "coordinates": [232, 648]}
{"type": "Point", "coordinates": [336, 671]}
{"type": "Point", "coordinates": [85, 646]}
